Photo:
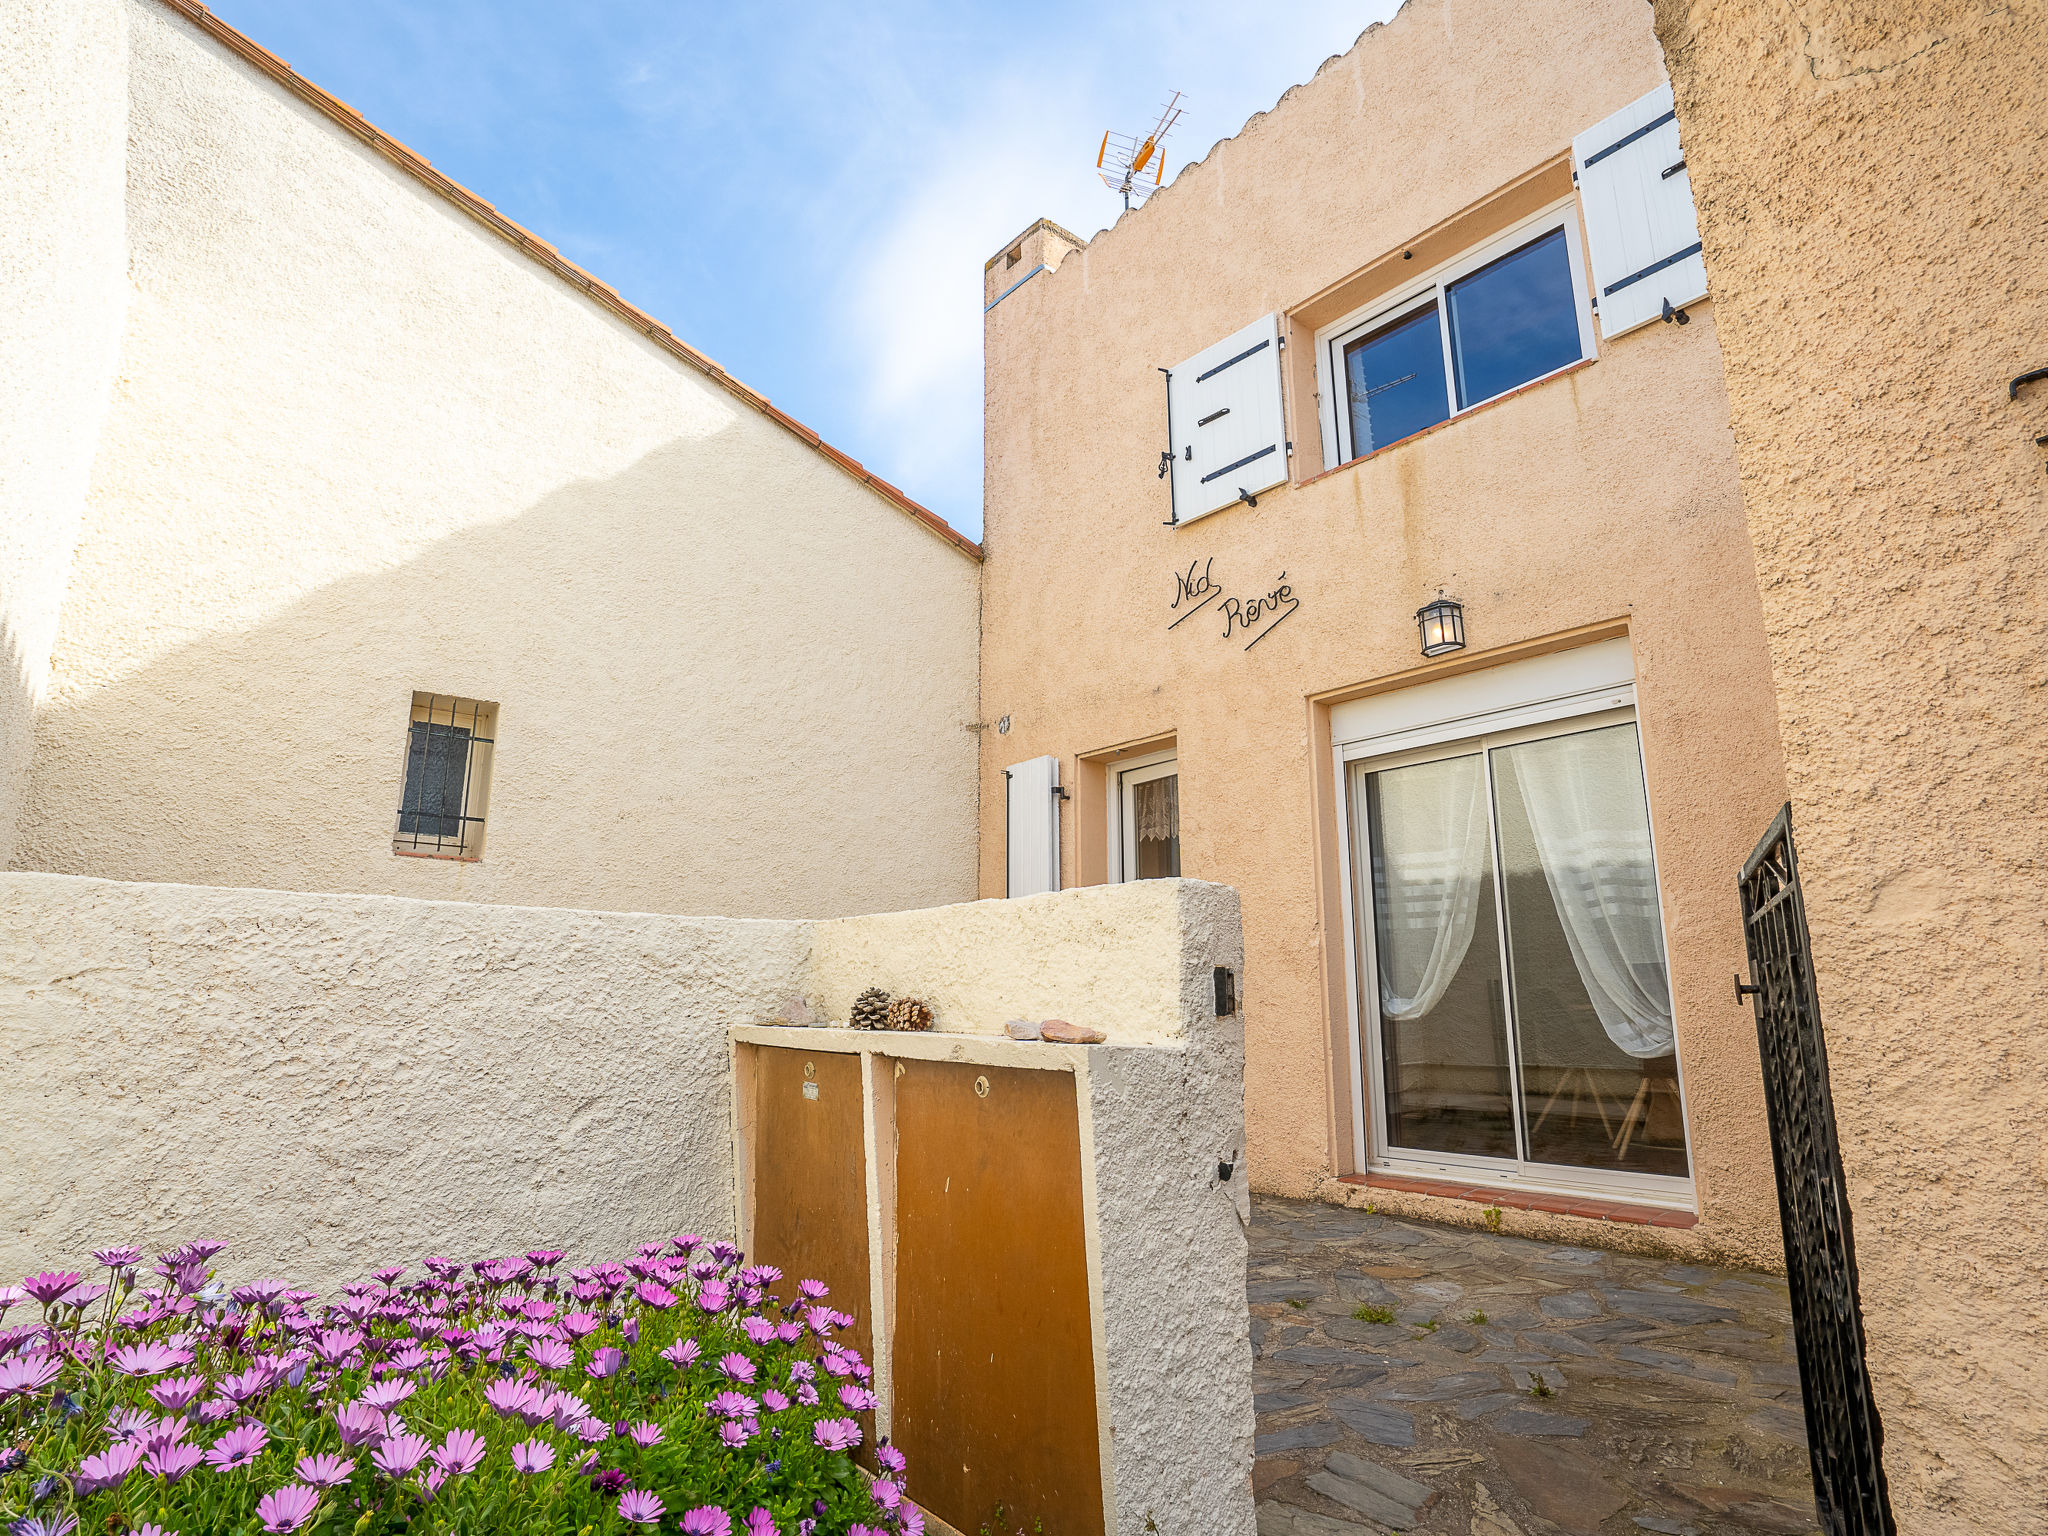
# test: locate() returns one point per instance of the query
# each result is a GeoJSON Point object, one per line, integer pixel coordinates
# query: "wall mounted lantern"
{"type": "Point", "coordinates": [1442, 624]}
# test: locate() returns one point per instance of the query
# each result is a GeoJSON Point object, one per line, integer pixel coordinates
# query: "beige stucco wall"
{"type": "Point", "coordinates": [328, 1083]}
{"type": "Point", "coordinates": [1872, 196]}
{"type": "Point", "coordinates": [361, 445]}
{"type": "Point", "coordinates": [62, 122]}
{"type": "Point", "coordinates": [1604, 500]}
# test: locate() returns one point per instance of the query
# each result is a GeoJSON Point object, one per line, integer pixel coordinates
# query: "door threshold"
{"type": "Point", "coordinates": [1590, 1206]}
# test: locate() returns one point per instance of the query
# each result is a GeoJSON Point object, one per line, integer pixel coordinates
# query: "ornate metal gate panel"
{"type": "Point", "coordinates": [1842, 1428]}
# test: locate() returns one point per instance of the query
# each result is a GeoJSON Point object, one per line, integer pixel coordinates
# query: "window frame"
{"type": "Point", "coordinates": [1124, 775]}
{"type": "Point", "coordinates": [1456, 738]}
{"type": "Point", "coordinates": [1334, 417]}
{"type": "Point", "coordinates": [480, 758]}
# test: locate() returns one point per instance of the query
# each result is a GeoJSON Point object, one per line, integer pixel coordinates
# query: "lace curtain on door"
{"type": "Point", "coordinates": [1427, 872]}
{"type": "Point", "coordinates": [1591, 824]}
{"type": "Point", "coordinates": [1155, 806]}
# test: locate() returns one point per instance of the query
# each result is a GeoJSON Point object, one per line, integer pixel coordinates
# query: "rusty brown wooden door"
{"type": "Point", "coordinates": [994, 1355]}
{"type": "Point", "coordinates": [809, 1171]}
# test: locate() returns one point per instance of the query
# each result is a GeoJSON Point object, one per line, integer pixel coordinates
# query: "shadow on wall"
{"type": "Point", "coordinates": [17, 731]}
{"type": "Point", "coordinates": [723, 687]}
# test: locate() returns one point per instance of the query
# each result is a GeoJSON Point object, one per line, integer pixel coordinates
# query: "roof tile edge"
{"type": "Point", "coordinates": [539, 250]}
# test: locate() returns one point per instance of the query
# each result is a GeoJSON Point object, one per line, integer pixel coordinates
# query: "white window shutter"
{"type": "Point", "coordinates": [1642, 233]}
{"type": "Point", "coordinates": [1229, 431]}
{"type": "Point", "coordinates": [1033, 822]}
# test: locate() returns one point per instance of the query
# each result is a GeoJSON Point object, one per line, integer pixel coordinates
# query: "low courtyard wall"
{"type": "Point", "coordinates": [329, 1083]}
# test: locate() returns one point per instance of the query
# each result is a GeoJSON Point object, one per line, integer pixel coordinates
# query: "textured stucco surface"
{"type": "Point", "coordinates": [1103, 958]}
{"type": "Point", "coordinates": [1173, 1246]}
{"type": "Point", "coordinates": [63, 117]}
{"type": "Point", "coordinates": [1872, 193]}
{"type": "Point", "coordinates": [333, 1082]}
{"type": "Point", "coordinates": [359, 446]}
{"type": "Point", "coordinates": [1606, 496]}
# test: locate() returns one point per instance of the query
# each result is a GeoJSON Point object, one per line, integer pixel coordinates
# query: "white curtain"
{"type": "Point", "coordinates": [1591, 825]}
{"type": "Point", "coordinates": [1431, 862]}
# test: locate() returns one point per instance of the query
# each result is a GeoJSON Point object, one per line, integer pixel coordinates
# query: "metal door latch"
{"type": "Point", "coordinates": [1744, 990]}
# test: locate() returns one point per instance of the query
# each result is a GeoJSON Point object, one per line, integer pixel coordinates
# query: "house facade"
{"type": "Point", "coordinates": [1433, 327]}
{"type": "Point", "coordinates": [351, 539]}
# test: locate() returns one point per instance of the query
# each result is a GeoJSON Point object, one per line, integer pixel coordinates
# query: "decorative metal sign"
{"type": "Point", "coordinates": [1258, 616]}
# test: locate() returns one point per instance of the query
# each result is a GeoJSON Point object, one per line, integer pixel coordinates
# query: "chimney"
{"type": "Point", "coordinates": [1041, 248]}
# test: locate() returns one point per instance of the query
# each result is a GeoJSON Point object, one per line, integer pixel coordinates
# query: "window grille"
{"type": "Point", "coordinates": [447, 777]}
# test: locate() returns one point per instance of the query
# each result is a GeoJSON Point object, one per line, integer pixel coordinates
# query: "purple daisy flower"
{"type": "Point", "coordinates": [117, 1258]}
{"type": "Point", "coordinates": [28, 1373]}
{"type": "Point", "coordinates": [707, 1520]}
{"type": "Point", "coordinates": [509, 1396]}
{"type": "Point", "coordinates": [239, 1447]}
{"type": "Point", "coordinates": [836, 1434]}
{"type": "Point", "coordinates": [737, 1432]}
{"type": "Point", "coordinates": [639, 1507]}
{"type": "Point", "coordinates": [736, 1367]}
{"type": "Point", "coordinates": [580, 1324]}
{"type": "Point", "coordinates": [387, 1394]}
{"type": "Point", "coordinates": [731, 1405]}
{"type": "Point", "coordinates": [171, 1461]}
{"type": "Point", "coordinates": [49, 1285]}
{"type": "Point", "coordinates": [645, 1434]}
{"type": "Point", "coordinates": [106, 1470]}
{"type": "Point", "coordinates": [399, 1455]}
{"type": "Point", "coordinates": [593, 1431]}
{"type": "Point", "coordinates": [682, 1354]}
{"type": "Point", "coordinates": [659, 1297]}
{"type": "Point", "coordinates": [59, 1524]}
{"type": "Point", "coordinates": [774, 1401]}
{"type": "Point", "coordinates": [334, 1346]}
{"type": "Point", "coordinates": [859, 1399]}
{"type": "Point", "coordinates": [543, 1258]}
{"type": "Point", "coordinates": [550, 1354]}
{"type": "Point", "coordinates": [325, 1470]}
{"type": "Point", "coordinates": [533, 1456]}
{"type": "Point", "coordinates": [757, 1329]}
{"type": "Point", "coordinates": [911, 1521]}
{"type": "Point", "coordinates": [889, 1458]}
{"type": "Point", "coordinates": [713, 1296]}
{"type": "Point", "coordinates": [462, 1452]}
{"type": "Point", "coordinates": [287, 1508]}
{"type": "Point", "coordinates": [760, 1522]}
{"type": "Point", "coordinates": [360, 1424]}
{"type": "Point", "coordinates": [605, 1362]}
{"type": "Point", "coordinates": [148, 1359]}
{"type": "Point", "coordinates": [151, 1528]}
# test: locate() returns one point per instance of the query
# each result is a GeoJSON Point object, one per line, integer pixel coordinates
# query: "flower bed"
{"type": "Point", "coordinates": [679, 1391]}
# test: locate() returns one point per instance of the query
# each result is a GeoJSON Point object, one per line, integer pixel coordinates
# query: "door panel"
{"type": "Point", "coordinates": [994, 1362]}
{"type": "Point", "coordinates": [810, 1202]}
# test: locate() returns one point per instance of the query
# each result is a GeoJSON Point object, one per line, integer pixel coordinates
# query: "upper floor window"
{"type": "Point", "coordinates": [447, 780]}
{"type": "Point", "coordinates": [1493, 320]}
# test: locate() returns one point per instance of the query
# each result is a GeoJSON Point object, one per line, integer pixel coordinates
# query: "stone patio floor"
{"type": "Point", "coordinates": [1413, 1377]}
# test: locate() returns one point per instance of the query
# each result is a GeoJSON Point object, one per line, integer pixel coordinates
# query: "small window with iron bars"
{"type": "Point", "coordinates": [447, 782]}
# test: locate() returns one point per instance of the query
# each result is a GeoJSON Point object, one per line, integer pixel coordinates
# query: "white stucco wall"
{"type": "Point", "coordinates": [361, 445]}
{"type": "Point", "coordinates": [330, 1083]}
{"type": "Point", "coordinates": [63, 116]}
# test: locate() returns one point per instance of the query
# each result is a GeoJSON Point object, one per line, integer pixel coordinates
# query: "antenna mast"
{"type": "Point", "coordinates": [1135, 165]}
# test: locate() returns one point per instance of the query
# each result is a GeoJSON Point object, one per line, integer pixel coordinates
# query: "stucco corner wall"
{"type": "Point", "coordinates": [1872, 193]}
{"type": "Point", "coordinates": [63, 129]}
{"type": "Point", "coordinates": [1165, 1124]}
{"type": "Point", "coordinates": [332, 1082]}
{"type": "Point", "coordinates": [1107, 957]}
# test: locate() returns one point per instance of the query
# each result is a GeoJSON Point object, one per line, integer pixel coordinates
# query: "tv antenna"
{"type": "Point", "coordinates": [1135, 165]}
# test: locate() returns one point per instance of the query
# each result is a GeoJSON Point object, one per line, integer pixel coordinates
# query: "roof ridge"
{"type": "Point", "coordinates": [539, 250]}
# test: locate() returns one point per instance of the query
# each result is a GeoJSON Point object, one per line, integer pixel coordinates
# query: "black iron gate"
{"type": "Point", "coordinates": [1842, 1428]}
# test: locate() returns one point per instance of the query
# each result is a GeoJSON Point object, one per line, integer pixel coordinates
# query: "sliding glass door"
{"type": "Point", "coordinates": [1516, 1001]}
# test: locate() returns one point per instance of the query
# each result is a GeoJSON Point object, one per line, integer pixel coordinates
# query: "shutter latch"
{"type": "Point", "coordinates": [1165, 461]}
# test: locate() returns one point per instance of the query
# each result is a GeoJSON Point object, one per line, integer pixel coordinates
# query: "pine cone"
{"type": "Point", "coordinates": [909, 1013]}
{"type": "Point", "coordinates": [870, 1010]}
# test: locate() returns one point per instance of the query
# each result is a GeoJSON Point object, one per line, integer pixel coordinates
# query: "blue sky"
{"type": "Point", "coordinates": [806, 192]}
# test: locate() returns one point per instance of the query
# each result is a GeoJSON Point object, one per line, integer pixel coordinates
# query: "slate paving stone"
{"type": "Point", "coordinates": [1444, 1388]}
{"type": "Point", "coordinates": [1571, 1304]}
{"type": "Point", "coordinates": [1376, 1422]}
{"type": "Point", "coordinates": [1375, 1506]}
{"type": "Point", "coordinates": [1657, 1360]}
{"type": "Point", "coordinates": [1666, 1307]}
{"type": "Point", "coordinates": [1479, 1407]}
{"type": "Point", "coordinates": [1657, 1371]}
{"type": "Point", "coordinates": [1296, 1437]}
{"type": "Point", "coordinates": [1532, 1421]}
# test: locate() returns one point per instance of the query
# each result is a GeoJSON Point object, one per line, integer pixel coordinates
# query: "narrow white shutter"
{"type": "Point", "coordinates": [1643, 235]}
{"type": "Point", "coordinates": [1229, 432]}
{"type": "Point", "coordinates": [1033, 823]}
